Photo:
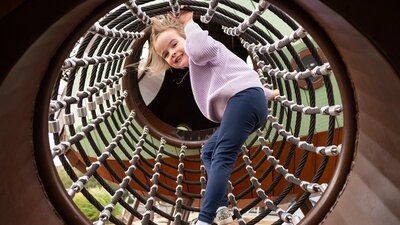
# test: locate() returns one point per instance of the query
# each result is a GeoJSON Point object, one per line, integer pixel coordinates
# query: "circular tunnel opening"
{"type": "Point", "coordinates": [103, 131]}
{"type": "Point", "coordinates": [168, 96]}
{"type": "Point", "coordinates": [359, 48]}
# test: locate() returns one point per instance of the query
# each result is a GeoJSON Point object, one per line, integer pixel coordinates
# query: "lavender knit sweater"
{"type": "Point", "coordinates": [216, 73]}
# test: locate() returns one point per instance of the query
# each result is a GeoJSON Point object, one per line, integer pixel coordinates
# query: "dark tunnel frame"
{"type": "Point", "coordinates": [54, 204]}
{"type": "Point", "coordinates": [346, 157]}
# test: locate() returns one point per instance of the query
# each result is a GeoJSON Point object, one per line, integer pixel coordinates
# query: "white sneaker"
{"type": "Point", "coordinates": [224, 216]}
{"type": "Point", "coordinates": [193, 222]}
{"type": "Point", "coordinates": [197, 222]}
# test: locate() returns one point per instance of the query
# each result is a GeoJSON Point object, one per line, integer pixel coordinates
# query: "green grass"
{"type": "Point", "coordinates": [89, 210]}
{"type": "Point", "coordinates": [94, 188]}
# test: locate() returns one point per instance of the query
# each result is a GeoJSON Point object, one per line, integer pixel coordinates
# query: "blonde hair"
{"type": "Point", "coordinates": [155, 63]}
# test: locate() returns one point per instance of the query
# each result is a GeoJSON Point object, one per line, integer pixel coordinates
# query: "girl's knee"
{"type": "Point", "coordinates": [206, 156]}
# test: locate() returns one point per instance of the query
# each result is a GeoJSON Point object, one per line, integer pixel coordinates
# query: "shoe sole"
{"type": "Point", "coordinates": [225, 221]}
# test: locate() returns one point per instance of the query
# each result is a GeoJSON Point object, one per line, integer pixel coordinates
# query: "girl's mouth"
{"type": "Point", "coordinates": [178, 59]}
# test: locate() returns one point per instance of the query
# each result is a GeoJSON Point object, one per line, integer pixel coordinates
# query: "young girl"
{"type": "Point", "coordinates": [226, 90]}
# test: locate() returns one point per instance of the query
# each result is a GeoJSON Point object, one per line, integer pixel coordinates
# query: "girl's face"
{"type": "Point", "coordinates": [170, 46]}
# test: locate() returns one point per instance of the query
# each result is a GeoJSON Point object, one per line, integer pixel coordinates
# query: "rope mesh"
{"type": "Point", "coordinates": [93, 130]}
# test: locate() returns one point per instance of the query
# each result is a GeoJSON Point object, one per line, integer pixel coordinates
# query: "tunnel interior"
{"type": "Point", "coordinates": [97, 120]}
{"type": "Point", "coordinates": [101, 126]}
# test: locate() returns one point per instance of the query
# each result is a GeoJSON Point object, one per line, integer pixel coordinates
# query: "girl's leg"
{"type": "Point", "coordinates": [208, 150]}
{"type": "Point", "coordinates": [245, 112]}
{"type": "Point", "coordinates": [206, 156]}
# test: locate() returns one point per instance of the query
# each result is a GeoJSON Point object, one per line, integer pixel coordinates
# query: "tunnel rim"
{"type": "Point", "coordinates": [58, 196]}
{"type": "Point", "coordinates": [39, 109]}
{"type": "Point", "coordinates": [339, 180]}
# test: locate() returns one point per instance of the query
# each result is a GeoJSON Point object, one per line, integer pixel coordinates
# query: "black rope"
{"type": "Point", "coordinates": [123, 19]}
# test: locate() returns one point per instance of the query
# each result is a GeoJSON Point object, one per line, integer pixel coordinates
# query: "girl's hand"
{"type": "Point", "coordinates": [274, 94]}
{"type": "Point", "coordinates": [185, 16]}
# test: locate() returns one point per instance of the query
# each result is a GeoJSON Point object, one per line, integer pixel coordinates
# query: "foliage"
{"type": "Point", "coordinates": [67, 182]}
{"type": "Point", "coordinates": [95, 188]}
{"type": "Point", "coordinates": [90, 211]}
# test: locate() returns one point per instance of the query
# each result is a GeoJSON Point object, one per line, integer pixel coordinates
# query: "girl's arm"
{"type": "Point", "coordinates": [200, 47]}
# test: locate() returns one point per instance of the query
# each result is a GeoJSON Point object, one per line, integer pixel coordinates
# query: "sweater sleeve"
{"type": "Point", "coordinates": [200, 47]}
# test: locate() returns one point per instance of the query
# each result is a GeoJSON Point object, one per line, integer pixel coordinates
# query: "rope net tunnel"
{"type": "Point", "coordinates": [99, 127]}
{"type": "Point", "coordinates": [137, 137]}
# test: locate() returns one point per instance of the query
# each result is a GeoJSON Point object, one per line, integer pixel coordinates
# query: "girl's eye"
{"type": "Point", "coordinates": [165, 55]}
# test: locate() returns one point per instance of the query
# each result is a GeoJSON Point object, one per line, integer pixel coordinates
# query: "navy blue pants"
{"type": "Point", "coordinates": [246, 112]}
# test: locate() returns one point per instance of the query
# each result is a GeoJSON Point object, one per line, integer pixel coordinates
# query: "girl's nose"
{"type": "Point", "coordinates": [171, 57]}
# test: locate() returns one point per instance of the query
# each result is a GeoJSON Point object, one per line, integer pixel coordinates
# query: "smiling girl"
{"type": "Point", "coordinates": [226, 90]}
